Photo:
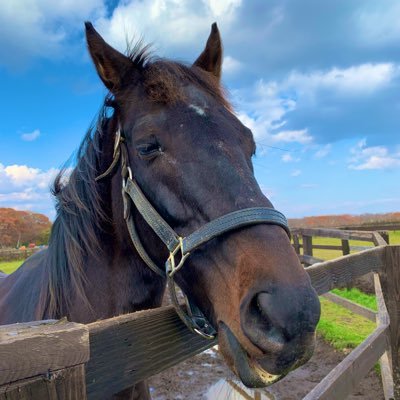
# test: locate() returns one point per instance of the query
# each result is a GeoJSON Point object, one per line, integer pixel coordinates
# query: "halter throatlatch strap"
{"type": "Point", "coordinates": [180, 248]}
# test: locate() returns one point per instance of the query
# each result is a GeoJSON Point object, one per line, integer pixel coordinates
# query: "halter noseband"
{"type": "Point", "coordinates": [180, 248]}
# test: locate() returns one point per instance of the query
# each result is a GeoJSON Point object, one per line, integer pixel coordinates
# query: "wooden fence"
{"type": "Point", "coordinates": [303, 239]}
{"type": "Point", "coordinates": [378, 226]}
{"type": "Point", "coordinates": [64, 360]}
{"type": "Point", "coordinates": [16, 254]}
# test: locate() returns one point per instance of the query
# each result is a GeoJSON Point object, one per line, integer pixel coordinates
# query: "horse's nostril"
{"type": "Point", "coordinates": [273, 319]}
{"type": "Point", "coordinates": [264, 303]}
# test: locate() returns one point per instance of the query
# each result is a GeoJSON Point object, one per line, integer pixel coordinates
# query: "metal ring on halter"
{"type": "Point", "coordinates": [203, 334]}
{"type": "Point", "coordinates": [128, 169]}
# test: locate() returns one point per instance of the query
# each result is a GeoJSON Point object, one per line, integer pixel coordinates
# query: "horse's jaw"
{"type": "Point", "coordinates": [247, 368]}
{"type": "Point", "coordinates": [249, 372]}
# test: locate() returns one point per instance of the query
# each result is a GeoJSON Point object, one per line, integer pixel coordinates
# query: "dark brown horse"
{"type": "Point", "coordinates": [191, 157]}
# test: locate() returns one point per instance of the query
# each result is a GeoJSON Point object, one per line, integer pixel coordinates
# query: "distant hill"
{"type": "Point", "coordinates": [344, 220]}
{"type": "Point", "coordinates": [22, 228]}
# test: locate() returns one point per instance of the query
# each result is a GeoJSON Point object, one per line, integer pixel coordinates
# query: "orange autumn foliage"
{"type": "Point", "coordinates": [23, 227]}
{"type": "Point", "coordinates": [343, 220]}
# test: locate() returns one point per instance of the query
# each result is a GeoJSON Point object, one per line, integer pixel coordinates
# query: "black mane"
{"type": "Point", "coordinates": [81, 218]}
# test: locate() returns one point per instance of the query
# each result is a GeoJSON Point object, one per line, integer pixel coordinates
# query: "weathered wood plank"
{"type": "Point", "coordinates": [129, 348]}
{"type": "Point", "coordinates": [34, 348]}
{"type": "Point", "coordinates": [389, 276]}
{"type": "Point", "coordinates": [309, 260]}
{"type": "Point", "coordinates": [335, 273]}
{"type": "Point", "coordinates": [379, 240]}
{"type": "Point", "coordinates": [360, 248]}
{"type": "Point", "coordinates": [296, 243]}
{"type": "Point", "coordinates": [345, 247]}
{"type": "Point", "coordinates": [350, 305]}
{"type": "Point", "coordinates": [382, 318]}
{"type": "Point", "coordinates": [343, 379]}
{"type": "Point", "coordinates": [307, 245]}
{"type": "Point", "coordinates": [325, 246]}
{"type": "Point", "coordinates": [65, 384]}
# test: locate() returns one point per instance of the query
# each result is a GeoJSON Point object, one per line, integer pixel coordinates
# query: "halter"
{"type": "Point", "coordinates": [180, 247]}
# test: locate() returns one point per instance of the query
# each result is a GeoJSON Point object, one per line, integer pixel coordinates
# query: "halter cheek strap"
{"type": "Point", "coordinates": [180, 248]}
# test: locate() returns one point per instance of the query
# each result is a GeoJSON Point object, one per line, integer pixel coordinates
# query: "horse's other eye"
{"type": "Point", "coordinates": [148, 150]}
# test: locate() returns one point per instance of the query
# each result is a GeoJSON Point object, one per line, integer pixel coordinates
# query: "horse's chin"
{"type": "Point", "coordinates": [250, 372]}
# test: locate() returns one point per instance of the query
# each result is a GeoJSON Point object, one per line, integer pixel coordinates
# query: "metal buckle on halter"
{"type": "Point", "coordinates": [171, 266]}
{"type": "Point", "coordinates": [126, 173]}
{"type": "Point", "coordinates": [205, 335]}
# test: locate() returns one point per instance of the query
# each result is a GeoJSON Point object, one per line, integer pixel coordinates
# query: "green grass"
{"type": "Point", "coordinates": [340, 327]}
{"type": "Point", "coordinates": [343, 329]}
{"type": "Point", "coordinates": [355, 295]}
{"type": "Point", "coordinates": [394, 237]}
{"type": "Point", "coordinates": [10, 266]}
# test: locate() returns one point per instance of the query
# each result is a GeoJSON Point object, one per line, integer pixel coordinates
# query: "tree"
{"type": "Point", "coordinates": [23, 227]}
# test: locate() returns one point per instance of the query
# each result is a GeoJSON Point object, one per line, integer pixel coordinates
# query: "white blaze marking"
{"type": "Point", "coordinates": [198, 110]}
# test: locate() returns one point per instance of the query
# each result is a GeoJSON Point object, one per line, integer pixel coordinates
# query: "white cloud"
{"type": "Point", "coordinates": [25, 187]}
{"type": "Point", "coordinates": [352, 81]}
{"type": "Point", "coordinates": [168, 23]}
{"type": "Point", "coordinates": [300, 136]}
{"type": "Point", "coordinates": [29, 137]}
{"type": "Point", "coordinates": [262, 109]}
{"type": "Point", "coordinates": [287, 157]}
{"type": "Point", "coordinates": [23, 176]}
{"type": "Point", "coordinates": [378, 25]}
{"type": "Point", "coordinates": [374, 157]}
{"type": "Point", "coordinates": [231, 65]}
{"type": "Point", "coordinates": [265, 107]}
{"type": "Point", "coordinates": [296, 172]}
{"type": "Point", "coordinates": [31, 28]}
{"type": "Point", "coordinates": [323, 151]}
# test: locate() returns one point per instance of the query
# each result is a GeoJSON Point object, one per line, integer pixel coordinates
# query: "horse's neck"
{"type": "Point", "coordinates": [116, 285]}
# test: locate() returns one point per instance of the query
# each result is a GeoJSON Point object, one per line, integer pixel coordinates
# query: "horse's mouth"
{"type": "Point", "coordinates": [248, 369]}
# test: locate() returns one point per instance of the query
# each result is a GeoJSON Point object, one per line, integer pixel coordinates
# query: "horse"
{"type": "Point", "coordinates": [165, 177]}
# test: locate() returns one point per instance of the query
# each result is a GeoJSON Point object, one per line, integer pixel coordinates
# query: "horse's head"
{"type": "Point", "coordinates": [191, 156]}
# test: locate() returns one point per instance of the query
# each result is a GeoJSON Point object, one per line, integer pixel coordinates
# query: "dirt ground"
{"type": "Point", "coordinates": [206, 377]}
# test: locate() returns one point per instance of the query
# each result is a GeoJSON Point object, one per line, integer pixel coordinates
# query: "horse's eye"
{"type": "Point", "coordinates": [149, 149]}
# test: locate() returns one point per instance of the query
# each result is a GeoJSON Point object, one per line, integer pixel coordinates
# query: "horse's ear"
{"type": "Point", "coordinates": [211, 58]}
{"type": "Point", "coordinates": [111, 65]}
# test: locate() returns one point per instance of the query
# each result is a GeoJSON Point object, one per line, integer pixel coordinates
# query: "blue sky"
{"type": "Point", "coordinates": [317, 82]}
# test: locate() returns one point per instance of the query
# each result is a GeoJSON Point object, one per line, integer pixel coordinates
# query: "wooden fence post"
{"type": "Point", "coordinates": [43, 360]}
{"type": "Point", "coordinates": [385, 236]}
{"type": "Point", "coordinates": [389, 275]}
{"type": "Point", "coordinates": [345, 247]}
{"type": "Point", "coordinates": [307, 245]}
{"type": "Point", "coordinates": [296, 243]}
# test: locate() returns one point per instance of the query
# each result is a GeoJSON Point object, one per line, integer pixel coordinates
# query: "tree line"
{"type": "Point", "coordinates": [344, 220]}
{"type": "Point", "coordinates": [19, 228]}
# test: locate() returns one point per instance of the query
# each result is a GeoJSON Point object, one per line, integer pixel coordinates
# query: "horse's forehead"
{"type": "Point", "coordinates": [194, 94]}
{"type": "Point", "coordinates": [155, 118]}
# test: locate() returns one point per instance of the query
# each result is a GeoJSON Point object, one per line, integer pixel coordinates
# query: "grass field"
{"type": "Point", "coordinates": [10, 266]}
{"type": "Point", "coordinates": [342, 328]}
